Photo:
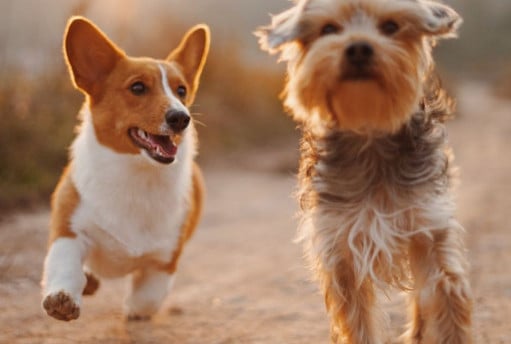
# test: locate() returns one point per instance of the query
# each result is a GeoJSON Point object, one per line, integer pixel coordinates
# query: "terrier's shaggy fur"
{"type": "Point", "coordinates": [375, 171]}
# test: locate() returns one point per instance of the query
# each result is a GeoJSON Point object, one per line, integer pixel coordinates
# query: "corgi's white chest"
{"type": "Point", "coordinates": [131, 210]}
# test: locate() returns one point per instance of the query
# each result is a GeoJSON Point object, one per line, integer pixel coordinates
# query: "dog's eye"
{"type": "Point", "coordinates": [138, 88]}
{"type": "Point", "coordinates": [389, 27]}
{"type": "Point", "coordinates": [181, 91]}
{"type": "Point", "coordinates": [329, 29]}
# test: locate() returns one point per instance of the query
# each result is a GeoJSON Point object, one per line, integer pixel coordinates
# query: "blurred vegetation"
{"type": "Point", "coordinates": [502, 87]}
{"type": "Point", "coordinates": [241, 105]}
{"type": "Point", "coordinates": [37, 119]}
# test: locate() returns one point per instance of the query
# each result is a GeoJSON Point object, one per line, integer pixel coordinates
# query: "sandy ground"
{"type": "Point", "coordinates": [242, 279]}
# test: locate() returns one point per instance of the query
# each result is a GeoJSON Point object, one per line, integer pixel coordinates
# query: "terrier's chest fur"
{"type": "Point", "coordinates": [376, 193]}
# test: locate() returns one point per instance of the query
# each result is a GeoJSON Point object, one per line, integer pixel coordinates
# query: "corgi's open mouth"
{"type": "Point", "coordinates": [159, 147]}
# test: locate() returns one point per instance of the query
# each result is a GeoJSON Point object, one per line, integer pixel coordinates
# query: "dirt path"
{"type": "Point", "coordinates": [242, 279]}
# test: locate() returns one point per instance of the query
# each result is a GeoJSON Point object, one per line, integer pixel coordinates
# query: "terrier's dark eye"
{"type": "Point", "coordinates": [181, 91]}
{"type": "Point", "coordinates": [329, 29]}
{"type": "Point", "coordinates": [138, 88]}
{"type": "Point", "coordinates": [389, 27]}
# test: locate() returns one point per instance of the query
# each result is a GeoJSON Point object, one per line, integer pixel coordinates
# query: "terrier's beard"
{"type": "Point", "coordinates": [365, 107]}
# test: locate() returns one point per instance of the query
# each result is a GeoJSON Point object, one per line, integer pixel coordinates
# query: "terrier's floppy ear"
{"type": "Point", "coordinates": [89, 54]}
{"type": "Point", "coordinates": [191, 54]}
{"type": "Point", "coordinates": [284, 28]}
{"type": "Point", "coordinates": [440, 20]}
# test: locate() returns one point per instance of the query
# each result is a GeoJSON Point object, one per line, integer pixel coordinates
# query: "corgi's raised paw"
{"type": "Point", "coordinates": [61, 306]}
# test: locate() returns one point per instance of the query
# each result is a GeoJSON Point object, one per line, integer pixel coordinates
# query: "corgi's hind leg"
{"type": "Point", "coordinates": [91, 284]}
{"type": "Point", "coordinates": [149, 287]}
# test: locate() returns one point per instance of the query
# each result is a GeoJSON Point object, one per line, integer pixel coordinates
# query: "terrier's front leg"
{"type": "Point", "coordinates": [355, 315]}
{"type": "Point", "coordinates": [148, 290]}
{"type": "Point", "coordinates": [63, 279]}
{"type": "Point", "coordinates": [441, 307]}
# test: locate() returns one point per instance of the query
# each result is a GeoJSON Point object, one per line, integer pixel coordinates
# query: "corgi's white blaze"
{"type": "Point", "coordinates": [175, 102]}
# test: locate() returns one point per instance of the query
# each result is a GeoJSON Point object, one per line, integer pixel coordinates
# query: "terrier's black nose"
{"type": "Point", "coordinates": [177, 120]}
{"type": "Point", "coordinates": [359, 54]}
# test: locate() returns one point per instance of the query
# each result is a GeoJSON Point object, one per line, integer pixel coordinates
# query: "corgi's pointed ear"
{"type": "Point", "coordinates": [191, 54]}
{"type": "Point", "coordinates": [89, 54]}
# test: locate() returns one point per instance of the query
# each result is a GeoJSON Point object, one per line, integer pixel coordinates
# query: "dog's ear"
{"type": "Point", "coordinates": [89, 54]}
{"type": "Point", "coordinates": [191, 54]}
{"type": "Point", "coordinates": [439, 20]}
{"type": "Point", "coordinates": [284, 29]}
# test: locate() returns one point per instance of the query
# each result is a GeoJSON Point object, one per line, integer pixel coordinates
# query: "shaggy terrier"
{"type": "Point", "coordinates": [375, 170]}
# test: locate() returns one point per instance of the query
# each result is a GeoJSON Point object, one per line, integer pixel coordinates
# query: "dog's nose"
{"type": "Point", "coordinates": [359, 53]}
{"type": "Point", "coordinates": [177, 120]}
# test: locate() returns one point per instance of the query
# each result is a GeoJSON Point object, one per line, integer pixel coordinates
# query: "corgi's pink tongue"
{"type": "Point", "coordinates": [162, 145]}
{"type": "Point", "coordinates": [159, 147]}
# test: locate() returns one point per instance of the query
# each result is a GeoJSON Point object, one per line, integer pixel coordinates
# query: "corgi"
{"type": "Point", "coordinates": [131, 195]}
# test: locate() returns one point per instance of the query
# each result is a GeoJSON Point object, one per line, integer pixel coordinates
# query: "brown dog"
{"type": "Point", "coordinates": [375, 171]}
{"type": "Point", "coordinates": [131, 195]}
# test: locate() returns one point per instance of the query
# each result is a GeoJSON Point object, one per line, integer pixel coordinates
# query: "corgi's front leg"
{"type": "Point", "coordinates": [148, 290]}
{"type": "Point", "coordinates": [64, 279]}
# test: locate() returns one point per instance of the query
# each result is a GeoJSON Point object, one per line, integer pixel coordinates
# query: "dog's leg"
{"type": "Point", "coordinates": [63, 279]}
{"type": "Point", "coordinates": [149, 287]}
{"type": "Point", "coordinates": [148, 290]}
{"type": "Point", "coordinates": [441, 305]}
{"type": "Point", "coordinates": [353, 310]}
{"type": "Point", "coordinates": [92, 284]}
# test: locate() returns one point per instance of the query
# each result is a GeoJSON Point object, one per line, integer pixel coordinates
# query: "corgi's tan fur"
{"type": "Point", "coordinates": [131, 195]}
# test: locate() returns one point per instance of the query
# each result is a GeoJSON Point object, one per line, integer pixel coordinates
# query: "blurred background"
{"type": "Point", "coordinates": [238, 98]}
{"type": "Point", "coordinates": [242, 278]}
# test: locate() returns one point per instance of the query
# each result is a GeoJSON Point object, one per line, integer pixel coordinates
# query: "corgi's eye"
{"type": "Point", "coordinates": [389, 27]}
{"type": "Point", "coordinates": [329, 29]}
{"type": "Point", "coordinates": [181, 91]}
{"type": "Point", "coordinates": [138, 88]}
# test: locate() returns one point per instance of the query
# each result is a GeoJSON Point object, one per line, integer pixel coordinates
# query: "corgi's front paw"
{"type": "Point", "coordinates": [61, 306]}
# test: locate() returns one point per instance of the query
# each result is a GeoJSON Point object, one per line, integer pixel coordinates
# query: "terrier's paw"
{"type": "Point", "coordinates": [61, 306]}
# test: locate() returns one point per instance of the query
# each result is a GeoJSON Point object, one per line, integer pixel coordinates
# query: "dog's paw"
{"type": "Point", "coordinates": [139, 312]}
{"type": "Point", "coordinates": [141, 307]}
{"type": "Point", "coordinates": [61, 306]}
{"type": "Point", "coordinates": [137, 317]}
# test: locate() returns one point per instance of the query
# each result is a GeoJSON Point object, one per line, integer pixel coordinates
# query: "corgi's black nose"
{"type": "Point", "coordinates": [359, 54]}
{"type": "Point", "coordinates": [177, 120]}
